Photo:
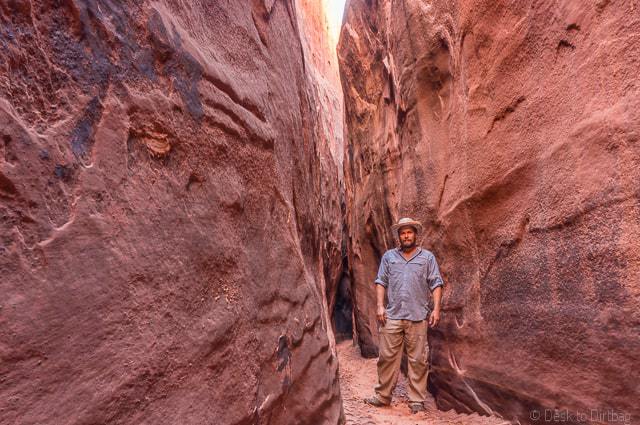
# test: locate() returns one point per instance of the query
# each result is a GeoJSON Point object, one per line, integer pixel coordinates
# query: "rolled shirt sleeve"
{"type": "Point", "coordinates": [383, 272]}
{"type": "Point", "coordinates": [433, 277]}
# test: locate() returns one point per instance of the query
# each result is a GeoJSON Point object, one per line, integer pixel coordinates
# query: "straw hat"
{"type": "Point", "coordinates": [406, 221]}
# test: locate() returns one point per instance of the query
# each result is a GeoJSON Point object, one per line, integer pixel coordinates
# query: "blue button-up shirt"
{"type": "Point", "coordinates": [408, 283]}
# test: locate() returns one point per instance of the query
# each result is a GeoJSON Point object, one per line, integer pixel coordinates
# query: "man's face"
{"type": "Point", "coordinates": [407, 237]}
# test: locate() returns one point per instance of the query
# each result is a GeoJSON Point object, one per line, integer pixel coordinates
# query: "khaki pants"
{"type": "Point", "coordinates": [393, 335]}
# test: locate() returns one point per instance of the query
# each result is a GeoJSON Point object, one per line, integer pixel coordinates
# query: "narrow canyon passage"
{"type": "Point", "coordinates": [195, 197]}
{"type": "Point", "coordinates": [510, 130]}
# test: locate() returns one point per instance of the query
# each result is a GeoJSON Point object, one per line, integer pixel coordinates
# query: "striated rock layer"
{"type": "Point", "coordinates": [170, 212]}
{"type": "Point", "coordinates": [511, 129]}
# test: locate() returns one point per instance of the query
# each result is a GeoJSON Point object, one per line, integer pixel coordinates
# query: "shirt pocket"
{"type": "Point", "coordinates": [395, 268]}
{"type": "Point", "coordinates": [419, 268]}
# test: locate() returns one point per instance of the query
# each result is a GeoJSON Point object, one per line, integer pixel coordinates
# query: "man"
{"type": "Point", "coordinates": [406, 275]}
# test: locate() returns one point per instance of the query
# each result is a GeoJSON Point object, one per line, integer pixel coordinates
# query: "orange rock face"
{"type": "Point", "coordinates": [171, 215]}
{"type": "Point", "coordinates": [510, 129]}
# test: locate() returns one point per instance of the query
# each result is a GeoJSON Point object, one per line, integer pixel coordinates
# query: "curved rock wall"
{"type": "Point", "coordinates": [511, 130]}
{"type": "Point", "coordinates": [171, 214]}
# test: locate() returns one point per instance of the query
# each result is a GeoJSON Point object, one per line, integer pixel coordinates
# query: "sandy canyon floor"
{"type": "Point", "coordinates": [357, 378]}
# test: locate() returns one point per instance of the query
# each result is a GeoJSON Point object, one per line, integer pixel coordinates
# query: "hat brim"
{"type": "Point", "coordinates": [416, 224]}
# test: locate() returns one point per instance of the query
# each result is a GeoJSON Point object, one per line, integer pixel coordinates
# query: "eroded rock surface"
{"type": "Point", "coordinates": [171, 215]}
{"type": "Point", "coordinates": [511, 129]}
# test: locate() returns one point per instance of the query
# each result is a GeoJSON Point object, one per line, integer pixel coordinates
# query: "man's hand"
{"type": "Point", "coordinates": [434, 318]}
{"type": "Point", "coordinates": [381, 314]}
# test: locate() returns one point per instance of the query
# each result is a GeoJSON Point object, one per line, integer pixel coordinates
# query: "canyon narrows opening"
{"type": "Point", "coordinates": [196, 195]}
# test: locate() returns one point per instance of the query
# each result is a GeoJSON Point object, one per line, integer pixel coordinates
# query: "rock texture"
{"type": "Point", "coordinates": [171, 214]}
{"type": "Point", "coordinates": [511, 130]}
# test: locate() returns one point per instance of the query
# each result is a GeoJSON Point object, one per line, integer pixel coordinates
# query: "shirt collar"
{"type": "Point", "coordinates": [418, 252]}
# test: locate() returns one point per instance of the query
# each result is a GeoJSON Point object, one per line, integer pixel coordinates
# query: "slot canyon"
{"type": "Point", "coordinates": [195, 197]}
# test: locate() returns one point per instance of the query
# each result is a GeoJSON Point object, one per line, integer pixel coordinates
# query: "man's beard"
{"type": "Point", "coordinates": [405, 245]}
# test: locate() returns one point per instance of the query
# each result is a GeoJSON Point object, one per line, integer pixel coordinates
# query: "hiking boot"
{"type": "Point", "coordinates": [375, 401]}
{"type": "Point", "coordinates": [416, 407]}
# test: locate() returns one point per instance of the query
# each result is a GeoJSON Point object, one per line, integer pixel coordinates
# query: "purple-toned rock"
{"type": "Point", "coordinates": [511, 130]}
{"type": "Point", "coordinates": [170, 214]}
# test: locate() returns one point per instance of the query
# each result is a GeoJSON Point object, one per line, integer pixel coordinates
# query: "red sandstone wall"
{"type": "Point", "coordinates": [511, 130]}
{"type": "Point", "coordinates": [322, 71]}
{"type": "Point", "coordinates": [170, 216]}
